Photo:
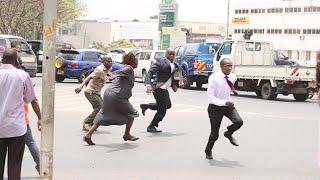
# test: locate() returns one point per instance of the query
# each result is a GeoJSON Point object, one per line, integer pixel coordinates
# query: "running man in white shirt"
{"type": "Point", "coordinates": [220, 85]}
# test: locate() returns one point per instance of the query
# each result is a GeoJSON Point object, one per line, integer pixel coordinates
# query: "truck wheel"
{"type": "Point", "coordinates": [143, 77]}
{"type": "Point", "coordinates": [300, 97]}
{"type": "Point", "coordinates": [258, 93]}
{"type": "Point", "coordinates": [60, 78]}
{"type": "Point", "coordinates": [199, 85]}
{"type": "Point", "coordinates": [187, 81]}
{"type": "Point", "coordinates": [268, 92]}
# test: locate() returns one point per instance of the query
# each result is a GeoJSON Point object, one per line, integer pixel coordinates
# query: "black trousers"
{"type": "Point", "coordinates": [216, 114]}
{"type": "Point", "coordinates": [15, 148]}
{"type": "Point", "coordinates": [163, 103]}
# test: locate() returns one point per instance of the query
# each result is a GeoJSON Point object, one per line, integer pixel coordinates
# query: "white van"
{"type": "Point", "coordinates": [145, 59]}
{"type": "Point", "coordinates": [29, 61]}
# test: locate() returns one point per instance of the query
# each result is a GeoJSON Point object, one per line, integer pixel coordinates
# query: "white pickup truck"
{"type": "Point", "coordinates": [257, 72]}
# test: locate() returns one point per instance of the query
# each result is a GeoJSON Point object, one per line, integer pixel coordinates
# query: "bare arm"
{"type": "Point", "coordinates": [36, 109]}
{"type": "Point", "coordinates": [85, 82]}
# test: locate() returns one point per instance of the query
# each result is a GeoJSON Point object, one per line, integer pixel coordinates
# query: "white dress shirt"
{"type": "Point", "coordinates": [218, 89]}
{"type": "Point", "coordinates": [168, 83]}
{"type": "Point", "coordinates": [15, 89]}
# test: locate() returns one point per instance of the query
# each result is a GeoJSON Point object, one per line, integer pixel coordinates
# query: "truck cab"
{"type": "Point", "coordinates": [196, 61]}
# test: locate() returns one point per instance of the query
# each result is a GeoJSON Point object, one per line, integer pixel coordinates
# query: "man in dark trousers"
{"type": "Point", "coordinates": [220, 85]}
{"type": "Point", "coordinates": [162, 72]}
{"type": "Point", "coordinates": [16, 89]}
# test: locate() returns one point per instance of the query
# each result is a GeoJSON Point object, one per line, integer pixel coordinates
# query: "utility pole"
{"type": "Point", "coordinates": [48, 88]}
{"type": "Point", "coordinates": [228, 19]}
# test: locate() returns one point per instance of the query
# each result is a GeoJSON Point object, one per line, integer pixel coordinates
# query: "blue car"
{"type": "Point", "coordinates": [75, 64]}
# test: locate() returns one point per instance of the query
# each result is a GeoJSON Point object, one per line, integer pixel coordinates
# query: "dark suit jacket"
{"type": "Point", "coordinates": [160, 72]}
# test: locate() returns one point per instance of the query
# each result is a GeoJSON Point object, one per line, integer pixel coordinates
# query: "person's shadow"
{"type": "Point", "coordinates": [119, 146]}
{"type": "Point", "coordinates": [224, 163]}
{"type": "Point", "coordinates": [165, 134]}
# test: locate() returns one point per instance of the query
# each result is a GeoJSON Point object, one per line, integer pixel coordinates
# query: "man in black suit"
{"type": "Point", "coordinates": [162, 72]}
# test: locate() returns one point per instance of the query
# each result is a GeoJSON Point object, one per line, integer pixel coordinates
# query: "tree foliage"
{"type": "Point", "coordinates": [25, 17]}
{"type": "Point", "coordinates": [123, 43]}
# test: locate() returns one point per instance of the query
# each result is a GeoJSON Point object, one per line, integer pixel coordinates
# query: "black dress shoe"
{"type": "Point", "coordinates": [130, 139]}
{"type": "Point", "coordinates": [153, 130]}
{"type": "Point", "coordinates": [209, 155]}
{"type": "Point", "coordinates": [231, 139]}
{"type": "Point", "coordinates": [143, 108]}
{"type": "Point", "coordinates": [88, 141]}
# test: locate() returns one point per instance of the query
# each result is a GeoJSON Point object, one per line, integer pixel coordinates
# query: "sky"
{"type": "Point", "coordinates": [189, 10]}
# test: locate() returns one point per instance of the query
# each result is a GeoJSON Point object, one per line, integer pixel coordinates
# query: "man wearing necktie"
{"type": "Point", "coordinates": [220, 85]}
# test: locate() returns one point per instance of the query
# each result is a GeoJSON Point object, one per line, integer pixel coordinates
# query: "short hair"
{"type": "Point", "coordinates": [223, 61]}
{"type": "Point", "coordinates": [9, 56]}
{"type": "Point", "coordinates": [106, 57]}
{"type": "Point", "coordinates": [129, 59]}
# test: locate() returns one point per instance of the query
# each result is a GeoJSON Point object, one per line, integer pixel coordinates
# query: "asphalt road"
{"type": "Point", "coordinates": [279, 140]}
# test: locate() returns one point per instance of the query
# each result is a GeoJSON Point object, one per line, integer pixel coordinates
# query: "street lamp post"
{"type": "Point", "coordinates": [227, 35]}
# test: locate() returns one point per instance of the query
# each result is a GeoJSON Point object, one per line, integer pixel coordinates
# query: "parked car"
{"type": "Point", "coordinates": [145, 59]}
{"type": "Point", "coordinates": [74, 64]}
{"type": "Point", "coordinates": [28, 58]}
{"type": "Point", "coordinates": [37, 47]}
{"type": "Point", "coordinates": [196, 61]}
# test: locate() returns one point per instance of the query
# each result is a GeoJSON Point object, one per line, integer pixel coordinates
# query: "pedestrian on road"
{"type": "Point", "coordinates": [162, 72]}
{"type": "Point", "coordinates": [220, 85]}
{"type": "Point", "coordinates": [16, 89]}
{"type": "Point", "coordinates": [94, 83]}
{"type": "Point", "coordinates": [30, 142]}
{"type": "Point", "coordinates": [116, 108]}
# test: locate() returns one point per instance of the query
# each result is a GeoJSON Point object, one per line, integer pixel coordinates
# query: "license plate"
{"type": "Point", "coordinates": [60, 72]}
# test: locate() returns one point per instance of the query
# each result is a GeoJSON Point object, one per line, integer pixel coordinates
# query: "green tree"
{"type": "Point", "coordinates": [25, 17]}
{"type": "Point", "coordinates": [99, 45]}
{"type": "Point", "coordinates": [122, 43]}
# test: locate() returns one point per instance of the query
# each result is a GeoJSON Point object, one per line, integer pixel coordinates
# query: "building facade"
{"type": "Point", "coordinates": [291, 25]}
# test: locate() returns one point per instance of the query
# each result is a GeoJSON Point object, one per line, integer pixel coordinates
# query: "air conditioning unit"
{"type": "Point", "coordinates": [301, 37]}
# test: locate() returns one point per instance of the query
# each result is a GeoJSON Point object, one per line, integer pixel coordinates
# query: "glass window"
{"type": "Point", "coordinates": [226, 48]}
{"type": "Point", "coordinates": [309, 31]}
{"type": "Point", "coordinates": [148, 56]}
{"type": "Point", "coordinates": [192, 49]}
{"type": "Point", "coordinates": [90, 56]}
{"type": "Point", "coordinates": [250, 46]}
{"type": "Point", "coordinates": [257, 46]}
{"type": "Point", "coordinates": [180, 52]}
{"type": "Point", "coordinates": [137, 55]}
{"type": "Point", "coordinates": [69, 56]}
{"type": "Point", "coordinates": [158, 55]}
{"type": "Point", "coordinates": [142, 56]}
{"type": "Point", "coordinates": [263, 10]}
{"type": "Point", "coordinates": [3, 43]}
{"type": "Point", "coordinates": [308, 55]}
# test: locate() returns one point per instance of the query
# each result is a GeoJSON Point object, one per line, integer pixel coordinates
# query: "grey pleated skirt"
{"type": "Point", "coordinates": [115, 110]}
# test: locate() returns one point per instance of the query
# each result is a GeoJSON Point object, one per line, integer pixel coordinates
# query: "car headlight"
{"type": "Point", "coordinates": [59, 62]}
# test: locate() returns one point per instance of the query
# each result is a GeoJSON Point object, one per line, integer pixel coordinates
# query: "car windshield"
{"type": "Point", "coordinates": [159, 55]}
{"type": "Point", "coordinates": [69, 56]}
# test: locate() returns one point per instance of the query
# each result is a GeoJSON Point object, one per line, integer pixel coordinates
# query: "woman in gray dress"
{"type": "Point", "coordinates": [116, 108]}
